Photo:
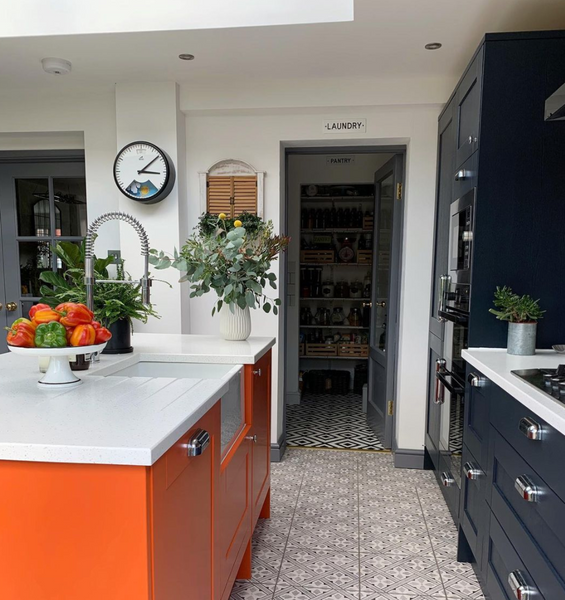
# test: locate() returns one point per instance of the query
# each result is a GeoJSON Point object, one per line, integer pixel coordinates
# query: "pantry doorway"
{"type": "Point", "coordinates": [342, 277]}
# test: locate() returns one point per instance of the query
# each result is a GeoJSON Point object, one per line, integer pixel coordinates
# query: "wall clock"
{"type": "Point", "coordinates": [144, 172]}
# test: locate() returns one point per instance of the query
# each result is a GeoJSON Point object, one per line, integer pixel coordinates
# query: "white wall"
{"type": "Point", "coordinates": [257, 139]}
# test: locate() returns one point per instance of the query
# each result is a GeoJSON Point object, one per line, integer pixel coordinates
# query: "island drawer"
{"type": "Point", "coordinates": [511, 417]}
{"type": "Point", "coordinates": [531, 514]}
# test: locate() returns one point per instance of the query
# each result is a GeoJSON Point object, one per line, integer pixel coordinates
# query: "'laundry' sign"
{"type": "Point", "coordinates": [345, 126]}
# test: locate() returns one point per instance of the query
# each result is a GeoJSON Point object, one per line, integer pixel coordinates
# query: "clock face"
{"type": "Point", "coordinates": [143, 172]}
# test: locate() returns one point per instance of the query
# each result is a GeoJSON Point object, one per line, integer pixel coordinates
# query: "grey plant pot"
{"type": "Point", "coordinates": [522, 338]}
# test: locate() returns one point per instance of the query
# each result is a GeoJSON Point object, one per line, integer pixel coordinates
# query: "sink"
{"type": "Point", "coordinates": [176, 370]}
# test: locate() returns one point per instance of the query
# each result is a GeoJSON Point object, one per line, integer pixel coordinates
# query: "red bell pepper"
{"type": "Point", "coordinates": [22, 335]}
{"type": "Point", "coordinates": [46, 315]}
{"type": "Point", "coordinates": [69, 334]}
{"type": "Point", "coordinates": [37, 307]}
{"type": "Point", "coordinates": [74, 314]}
{"type": "Point", "coordinates": [102, 335]}
{"type": "Point", "coordinates": [24, 320]}
{"type": "Point", "coordinates": [83, 335]}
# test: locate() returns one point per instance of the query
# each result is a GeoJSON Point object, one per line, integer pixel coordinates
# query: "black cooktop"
{"type": "Point", "coordinates": [549, 381]}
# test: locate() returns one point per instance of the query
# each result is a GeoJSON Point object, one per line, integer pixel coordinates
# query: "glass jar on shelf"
{"type": "Point", "coordinates": [342, 289]}
{"type": "Point", "coordinates": [338, 318]}
{"type": "Point", "coordinates": [356, 289]}
{"type": "Point", "coordinates": [328, 289]}
{"type": "Point", "coordinates": [354, 317]}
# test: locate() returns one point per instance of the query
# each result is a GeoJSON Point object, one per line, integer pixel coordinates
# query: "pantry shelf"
{"type": "Point", "coordinates": [332, 327]}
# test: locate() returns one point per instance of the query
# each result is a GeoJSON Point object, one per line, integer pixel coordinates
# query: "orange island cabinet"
{"type": "Point", "coordinates": [178, 530]}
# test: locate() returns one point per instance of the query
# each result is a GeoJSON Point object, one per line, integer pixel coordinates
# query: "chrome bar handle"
{"type": "Point", "coordinates": [440, 390]}
{"type": "Point", "coordinates": [198, 443]}
{"type": "Point", "coordinates": [257, 372]}
{"type": "Point", "coordinates": [531, 429]}
{"type": "Point", "coordinates": [520, 587]}
{"type": "Point", "coordinates": [527, 488]}
{"type": "Point", "coordinates": [472, 472]}
{"type": "Point", "coordinates": [475, 380]}
{"type": "Point", "coordinates": [444, 285]}
{"type": "Point", "coordinates": [446, 479]}
{"type": "Point", "coordinates": [251, 438]}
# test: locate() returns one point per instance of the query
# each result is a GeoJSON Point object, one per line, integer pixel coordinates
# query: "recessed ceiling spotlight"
{"type": "Point", "coordinates": [433, 46]}
{"type": "Point", "coordinates": [56, 66]}
{"type": "Point", "coordinates": [186, 56]}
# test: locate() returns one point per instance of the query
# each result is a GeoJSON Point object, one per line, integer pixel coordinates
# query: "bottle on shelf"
{"type": "Point", "coordinates": [338, 318]}
{"type": "Point", "coordinates": [318, 219]}
{"type": "Point", "coordinates": [311, 218]}
{"type": "Point", "coordinates": [333, 217]}
{"type": "Point", "coordinates": [347, 218]}
{"type": "Point", "coordinates": [354, 317]}
{"type": "Point", "coordinates": [326, 218]}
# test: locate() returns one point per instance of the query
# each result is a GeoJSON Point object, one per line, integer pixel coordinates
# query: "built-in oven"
{"type": "Point", "coordinates": [455, 288]}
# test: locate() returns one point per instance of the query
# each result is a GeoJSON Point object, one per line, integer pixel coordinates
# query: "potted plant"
{"type": "Point", "coordinates": [116, 306]}
{"type": "Point", "coordinates": [522, 314]}
{"type": "Point", "coordinates": [233, 258]}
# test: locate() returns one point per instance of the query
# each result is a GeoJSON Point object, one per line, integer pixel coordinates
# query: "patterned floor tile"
{"type": "Point", "coordinates": [319, 593]}
{"type": "Point", "coordinates": [330, 421]}
{"type": "Point", "coordinates": [252, 590]}
{"type": "Point", "coordinates": [370, 594]}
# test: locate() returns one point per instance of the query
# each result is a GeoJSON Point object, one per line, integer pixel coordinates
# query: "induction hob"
{"type": "Point", "coordinates": [549, 381]}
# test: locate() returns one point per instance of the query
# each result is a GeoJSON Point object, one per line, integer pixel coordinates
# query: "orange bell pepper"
{"type": "Point", "coordinates": [24, 320]}
{"type": "Point", "coordinates": [22, 335]}
{"type": "Point", "coordinates": [73, 314]}
{"type": "Point", "coordinates": [37, 307]}
{"type": "Point", "coordinates": [83, 335]}
{"type": "Point", "coordinates": [46, 315]}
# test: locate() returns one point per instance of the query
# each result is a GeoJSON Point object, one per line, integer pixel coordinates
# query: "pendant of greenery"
{"type": "Point", "coordinates": [231, 257]}
{"type": "Point", "coordinates": [112, 301]}
{"type": "Point", "coordinates": [514, 308]}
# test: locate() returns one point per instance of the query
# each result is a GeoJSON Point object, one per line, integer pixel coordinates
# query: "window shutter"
{"type": "Point", "coordinates": [232, 195]}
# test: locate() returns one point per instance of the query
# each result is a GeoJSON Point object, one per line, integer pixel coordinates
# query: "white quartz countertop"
{"type": "Point", "coordinates": [110, 419]}
{"type": "Point", "coordinates": [497, 364]}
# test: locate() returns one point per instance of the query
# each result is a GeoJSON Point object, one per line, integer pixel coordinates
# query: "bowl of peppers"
{"type": "Point", "coordinates": [52, 332]}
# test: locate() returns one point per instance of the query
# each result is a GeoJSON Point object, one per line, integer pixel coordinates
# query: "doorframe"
{"type": "Point", "coordinates": [322, 147]}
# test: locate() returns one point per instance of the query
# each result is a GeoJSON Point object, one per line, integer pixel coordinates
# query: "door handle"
{"type": "Point", "coordinates": [11, 306]}
{"type": "Point", "coordinates": [381, 304]}
{"type": "Point", "coordinates": [1, 305]}
{"type": "Point", "coordinates": [440, 390]}
{"type": "Point", "coordinates": [475, 380]}
{"type": "Point", "coordinates": [369, 304]}
{"type": "Point", "coordinates": [198, 443]}
{"type": "Point", "coordinates": [531, 429]}
{"type": "Point", "coordinates": [471, 472]}
{"type": "Point", "coordinates": [520, 587]}
{"type": "Point", "coordinates": [527, 488]}
{"type": "Point", "coordinates": [257, 372]}
{"type": "Point", "coordinates": [251, 438]}
{"type": "Point", "coordinates": [446, 479]}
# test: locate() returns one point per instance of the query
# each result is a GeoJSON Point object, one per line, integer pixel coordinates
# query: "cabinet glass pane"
{"type": "Point", "coordinates": [32, 202]}
{"type": "Point", "coordinates": [233, 412]}
{"type": "Point", "coordinates": [35, 257]}
{"type": "Point", "coordinates": [70, 206]}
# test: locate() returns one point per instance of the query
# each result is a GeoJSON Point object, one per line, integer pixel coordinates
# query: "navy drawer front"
{"type": "Point", "coordinates": [543, 455]}
{"type": "Point", "coordinates": [536, 529]}
{"type": "Point", "coordinates": [502, 559]}
{"type": "Point", "coordinates": [474, 511]}
{"type": "Point", "coordinates": [477, 424]}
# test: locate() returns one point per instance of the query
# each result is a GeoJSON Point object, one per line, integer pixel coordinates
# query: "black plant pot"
{"type": "Point", "coordinates": [120, 342]}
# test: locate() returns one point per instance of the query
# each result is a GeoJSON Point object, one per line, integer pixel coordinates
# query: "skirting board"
{"type": "Point", "coordinates": [409, 459]}
{"type": "Point", "coordinates": [278, 449]}
{"type": "Point", "coordinates": [293, 397]}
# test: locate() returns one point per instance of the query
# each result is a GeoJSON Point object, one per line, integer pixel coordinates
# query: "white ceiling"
{"type": "Point", "coordinates": [385, 39]}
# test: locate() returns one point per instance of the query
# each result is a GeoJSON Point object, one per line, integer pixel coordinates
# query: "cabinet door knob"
{"type": "Point", "coordinates": [251, 438]}
{"type": "Point", "coordinates": [11, 306]}
{"type": "Point", "coordinates": [446, 479]}
{"type": "Point", "coordinates": [520, 587]}
{"type": "Point", "coordinates": [475, 380]}
{"type": "Point", "coordinates": [381, 304]}
{"type": "Point", "coordinates": [461, 175]}
{"type": "Point", "coordinates": [471, 472]}
{"type": "Point", "coordinates": [257, 372]}
{"type": "Point", "coordinates": [470, 139]}
{"type": "Point", "coordinates": [198, 443]}
{"type": "Point", "coordinates": [531, 429]}
{"type": "Point", "coordinates": [527, 488]}
{"type": "Point", "coordinates": [1, 305]}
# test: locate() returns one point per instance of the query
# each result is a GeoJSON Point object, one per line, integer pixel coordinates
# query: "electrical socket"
{"type": "Point", "coordinates": [117, 255]}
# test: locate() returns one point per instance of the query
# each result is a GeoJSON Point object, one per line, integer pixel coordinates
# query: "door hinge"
{"type": "Point", "coordinates": [390, 410]}
{"type": "Point", "coordinates": [399, 191]}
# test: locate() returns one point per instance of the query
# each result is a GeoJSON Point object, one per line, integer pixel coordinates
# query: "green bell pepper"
{"type": "Point", "coordinates": [50, 335]}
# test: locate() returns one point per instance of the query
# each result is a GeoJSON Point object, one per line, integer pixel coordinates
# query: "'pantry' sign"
{"type": "Point", "coordinates": [345, 126]}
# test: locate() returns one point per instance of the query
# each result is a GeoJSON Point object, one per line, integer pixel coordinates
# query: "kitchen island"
{"type": "Point", "coordinates": [143, 482]}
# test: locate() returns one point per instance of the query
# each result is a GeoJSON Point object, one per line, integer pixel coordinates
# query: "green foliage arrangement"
{"type": "Point", "coordinates": [233, 260]}
{"type": "Point", "coordinates": [112, 301]}
{"type": "Point", "coordinates": [514, 308]}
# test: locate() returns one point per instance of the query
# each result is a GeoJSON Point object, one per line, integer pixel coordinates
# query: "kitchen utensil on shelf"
{"type": "Point", "coordinates": [559, 348]}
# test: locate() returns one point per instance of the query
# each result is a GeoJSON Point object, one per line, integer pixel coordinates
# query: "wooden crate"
{"type": "Point", "coordinates": [317, 256]}
{"type": "Point", "coordinates": [353, 350]}
{"type": "Point", "coordinates": [368, 222]}
{"type": "Point", "coordinates": [301, 349]}
{"type": "Point", "coordinates": [365, 257]}
{"type": "Point", "coordinates": [321, 350]}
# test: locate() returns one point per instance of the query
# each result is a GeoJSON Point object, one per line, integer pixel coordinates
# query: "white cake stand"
{"type": "Point", "coordinates": [59, 371]}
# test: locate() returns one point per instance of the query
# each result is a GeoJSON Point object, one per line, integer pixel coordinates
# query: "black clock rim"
{"type": "Point", "coordinates": [153, 199]}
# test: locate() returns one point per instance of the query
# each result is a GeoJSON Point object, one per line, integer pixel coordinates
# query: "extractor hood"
{"type": "Point", "coordinates": [555, 105]}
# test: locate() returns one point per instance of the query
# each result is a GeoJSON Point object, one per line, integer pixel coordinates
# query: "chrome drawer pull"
{"type": "Point", "coordinates": [446, 479]}
{"type": "Point", "coordinates": [527, 488]}
{"type": "Point", "coordinates": [475, 380]}
{"type": "Point", "coordinates": [251, 438]}
{"type": "Point", "coordinates": [257, 372]}
{"type": "Point", "coordinates": [519, 586]}
{"type": "Point", "coordinates": [531, 429]}
{"type": "Point", "coordinates": [198, 443]}
{"type": "Point", "coordinates": [472, 472]}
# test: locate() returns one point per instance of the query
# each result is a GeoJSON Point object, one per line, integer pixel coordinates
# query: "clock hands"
{"type": "Point", "coordinates": [144, 170]}
{"type": "Point", "coordinates": [148, 172]}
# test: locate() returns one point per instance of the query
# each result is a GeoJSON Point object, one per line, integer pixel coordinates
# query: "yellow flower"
{"type": "Point", "coordinates": [237, 223]}
{"type": "Point", "coordinates": [222, 216]}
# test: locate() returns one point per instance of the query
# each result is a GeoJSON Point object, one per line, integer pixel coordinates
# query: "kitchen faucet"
{"type": "Point", "coordinates": [89, 257]}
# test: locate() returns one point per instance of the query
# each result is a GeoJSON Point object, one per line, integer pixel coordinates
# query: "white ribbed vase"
{"type": "Point", "coordinates": [235, 326]}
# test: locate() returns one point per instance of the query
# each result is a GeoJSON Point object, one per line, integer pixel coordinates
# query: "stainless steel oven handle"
{"type": "Point", "coordinates": [440, 393]}
{"type": "Point", "coordinates": [453, 389]}
{"type": "Point", "coordinates": [444, 285]}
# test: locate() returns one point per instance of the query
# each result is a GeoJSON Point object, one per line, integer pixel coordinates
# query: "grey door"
{"type": "Point", "coordinates": [385, 293]}
{"type": "Point", "coordinates": [40, 204]}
